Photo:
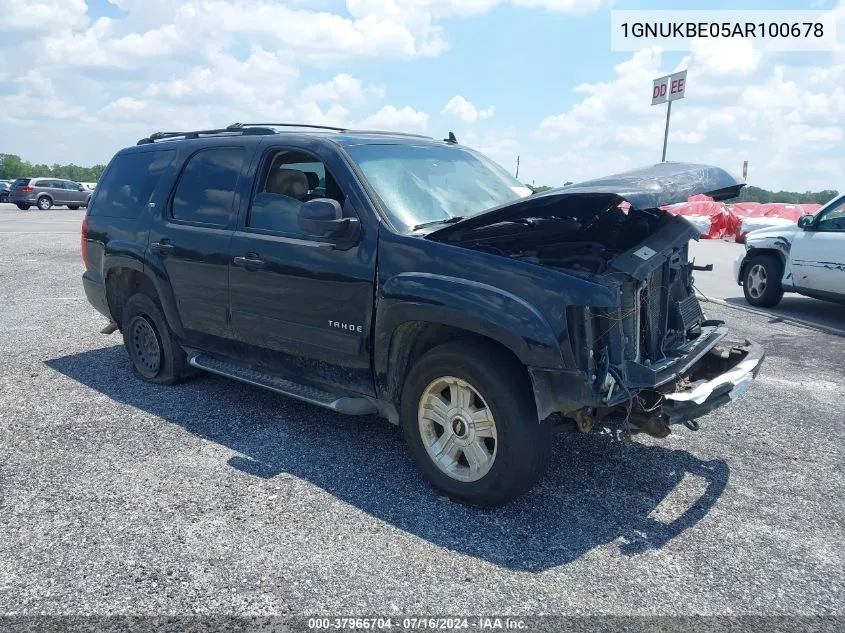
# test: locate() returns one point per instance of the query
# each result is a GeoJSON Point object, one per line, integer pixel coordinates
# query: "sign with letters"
{"type": "Point", "coordinates": [669, 88]}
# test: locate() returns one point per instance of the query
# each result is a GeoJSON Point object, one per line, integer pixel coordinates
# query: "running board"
{"type": "Point", "coordinates": [342, 404]}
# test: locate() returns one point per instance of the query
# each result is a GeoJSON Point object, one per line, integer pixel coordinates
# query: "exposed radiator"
{"type": "Point", "coordinates": [689, 311]}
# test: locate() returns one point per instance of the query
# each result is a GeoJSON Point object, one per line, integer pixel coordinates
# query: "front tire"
{"type": "Point", "coordinates": [155, 355]}
{"type": "Point", "coordinates": [23, 207]}
{"type": "Point", "coordinates": [469, 419]}
{"type": "Point", "coordinates": [761, 282]}
{"type": "Point", "coordinates": [73, 207]}
{"type": "Point", "coordinates": [44, 203]}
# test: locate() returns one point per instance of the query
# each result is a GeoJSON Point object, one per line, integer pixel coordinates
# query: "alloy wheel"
{"type": "Point", "coordinates": [757, 280]}
{"type": "Point", "coordinates": [457, 429]}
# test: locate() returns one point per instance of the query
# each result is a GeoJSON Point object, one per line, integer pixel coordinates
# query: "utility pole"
{"type": "Point", "coordinates": [517, 166]}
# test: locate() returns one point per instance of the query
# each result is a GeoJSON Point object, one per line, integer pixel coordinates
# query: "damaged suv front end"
{"type": "Point", "coordinates": [651, 357]}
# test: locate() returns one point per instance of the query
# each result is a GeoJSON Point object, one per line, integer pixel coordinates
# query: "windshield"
{"type": "Point", "coordinates": [422, 184]}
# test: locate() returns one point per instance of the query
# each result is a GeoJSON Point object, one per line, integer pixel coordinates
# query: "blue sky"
{"type": "Point", "coordinates": [534, 78]}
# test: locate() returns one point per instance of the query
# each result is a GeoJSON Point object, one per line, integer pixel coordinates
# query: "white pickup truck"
{"type": "Point", "coordinates": [808, 259]}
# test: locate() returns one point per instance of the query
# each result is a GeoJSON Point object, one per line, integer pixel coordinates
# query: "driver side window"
{"type": "Point", "coordinates": [286, 180]}
{"type": "Point", "coordinates": [833, 220]}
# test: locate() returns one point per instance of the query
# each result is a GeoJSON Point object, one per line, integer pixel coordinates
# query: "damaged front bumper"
{"type": "Point", "coordinates": [712, 374]}
{"type": "Point", "coordinates": [720, 377]}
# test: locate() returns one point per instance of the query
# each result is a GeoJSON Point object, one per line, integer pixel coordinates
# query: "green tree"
{"type": "Point", "coordinates": [756, 194]}
{"type": "Point", "coordinates": [13, 166]}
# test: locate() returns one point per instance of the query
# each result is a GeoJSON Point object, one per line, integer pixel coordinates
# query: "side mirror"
{"type": "Point", "coordinates": [81, 188]}
{"type": "Point", "coordinates": [324, 217]}
{"type": "Point", "coordinates": [806, 222]}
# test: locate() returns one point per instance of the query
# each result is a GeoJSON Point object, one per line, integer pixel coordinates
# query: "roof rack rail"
{"type": "Point", "coordinates": [237, 129]}
{"type": "Point", "coordinates": [240, 126]}
{"type": "Point", "coordinates": [388, 132]}
{"type": "Point", "coordinates": [163, 136]}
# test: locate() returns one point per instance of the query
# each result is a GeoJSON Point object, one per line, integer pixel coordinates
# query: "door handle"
{"type": "Point", "coordinates": [162, 248]}
{"type": "Point", "coordinates": [250, 263]}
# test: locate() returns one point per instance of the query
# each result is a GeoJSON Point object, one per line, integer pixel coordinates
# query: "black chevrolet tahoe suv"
{"type": "Point", "coordinates": [415, 279]}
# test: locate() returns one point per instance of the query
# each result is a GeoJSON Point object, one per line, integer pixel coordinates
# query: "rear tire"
{"type": "Point", "coordinates": [761, 281]}
{"type": "Point", "coordinates": [470, 422]}
{"type": "Point", "coordinates": [44, 203]}
{"type": "Point", "coordinates": [73, 207]}
{"type": "Point", "coordinates": [152, 348]}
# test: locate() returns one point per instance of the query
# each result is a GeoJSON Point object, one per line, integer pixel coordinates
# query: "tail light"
{"type": "Point", "coordinates": [84, 244]}
{"type": "Point", "coordinates": [27, 189]}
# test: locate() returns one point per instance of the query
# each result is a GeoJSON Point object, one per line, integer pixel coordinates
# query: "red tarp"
{"type": "Point", "coordinates": [710, 218]}
{"type": "Point", "coordinates": [737, 212]}
{"type": "Point", "coordinates": [715, 220]}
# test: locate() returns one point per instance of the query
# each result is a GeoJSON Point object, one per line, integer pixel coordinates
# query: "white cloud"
{"type": "Point", "coordinates": [782, 119]}
{"type": "Point", "coordinates": [343, 88]}
{"type": "Point", "coordinates": [175, 64]}
{"type": "Point", "coordinates": [724, 56]}
{"type": "Point", "coordinates": [463, 109]}
{"type": "Point", "coordinates": [447, 8]}
{"type": "Point", "coordinates": [393, 118]}
{"type": "Point", "coordinates": [42, 15]}
{"type": "Point", "coordinates": [36, 93]}
{"type": "Point", "coordinates": [261, 77]}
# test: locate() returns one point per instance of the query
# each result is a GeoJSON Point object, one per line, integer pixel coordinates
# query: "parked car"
{"type": "Point", "coordinates": [48, 192]}
{"type": "Point", "coordinates": [397, 275]}
{"type": "Point", "coordinates": [4, 190]}
{"type": "Point", "coordinates": [808, 259]}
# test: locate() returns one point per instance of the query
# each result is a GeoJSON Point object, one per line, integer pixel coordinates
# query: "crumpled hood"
{"type": "Point", "coordinates": [646, 188]}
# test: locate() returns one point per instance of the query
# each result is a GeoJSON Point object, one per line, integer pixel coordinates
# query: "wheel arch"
{"type": "Point", "coordinates": [411, 339]}
{"type": "Point", "coordinates": [130, 274]}
{"type": "Point", "coordinates": [417, 311]}
{"type": "Point", "coordinates": [121, 283]}
{"type": "Point", "coordinates": [769, 249]}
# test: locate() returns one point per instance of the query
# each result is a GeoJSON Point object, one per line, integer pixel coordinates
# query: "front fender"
{"type": "Point", "coordinates": [776, 244]}
{"type": "Point", "coordinates": [471, 306]}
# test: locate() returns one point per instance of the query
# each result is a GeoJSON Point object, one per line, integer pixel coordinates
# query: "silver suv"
{"type": "Point", "coordinates": [48, 192]}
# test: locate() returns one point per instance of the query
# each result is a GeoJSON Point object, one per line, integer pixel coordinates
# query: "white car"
{"type": "Point", "coordinates": [808, 259]}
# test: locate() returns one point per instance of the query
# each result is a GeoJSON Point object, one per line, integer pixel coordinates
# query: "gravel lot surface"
{"type": "Point", "coordinates": [120, 497]}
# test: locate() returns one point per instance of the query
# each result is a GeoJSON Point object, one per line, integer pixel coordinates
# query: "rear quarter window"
{"type": "Point", "coordinates": [129, 181]}
{"type": "Point", "coordinates": [206, 190]}
{"type": "Point", "coordinates": [21, 182]}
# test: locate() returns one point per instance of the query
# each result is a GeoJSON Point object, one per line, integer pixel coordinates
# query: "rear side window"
{"type": "Point", "coordinates": [206, 190]}
{"type": "Point", "coordinates": [129, 182]}
{"type": "Point", "coordinates": [21, 182]}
